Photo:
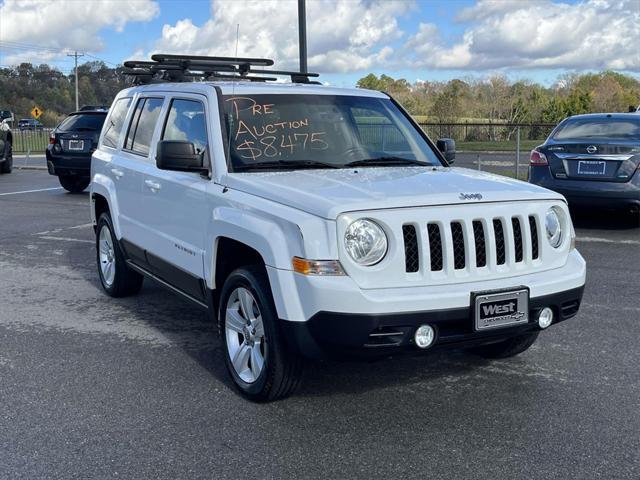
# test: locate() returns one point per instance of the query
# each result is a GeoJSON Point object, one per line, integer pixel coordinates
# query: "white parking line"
{"type": "Point", "coordinates": [58, 230]}
{"type": "Point", "coordinates": [67, 239]}
{"type": "Point", "coordinates": [607, 240]}
{"type": "Point", "coordinates": [31, 191]}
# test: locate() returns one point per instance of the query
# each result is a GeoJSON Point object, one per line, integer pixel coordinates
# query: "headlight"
{"type": "Point", "coordinates": [366, 242]}
{"type": "Point", "coordinates": [553, 227]}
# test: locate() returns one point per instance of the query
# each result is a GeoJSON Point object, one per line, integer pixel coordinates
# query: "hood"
{"type": "Point", "coordinates": [328, 193]}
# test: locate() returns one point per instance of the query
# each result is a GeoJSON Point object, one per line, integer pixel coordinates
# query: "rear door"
{"type": "Point", "coordinates": [176, 202]}
{"type": "Point", "coordinates": [126, 172]}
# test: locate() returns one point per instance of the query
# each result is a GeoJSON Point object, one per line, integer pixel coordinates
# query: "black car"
{"type": "Point", "coordinates": [593, 160]}
{"type": "Point", "coordinates": [70, 147]}
{"type": "Point", "coordinates": [29, 124]}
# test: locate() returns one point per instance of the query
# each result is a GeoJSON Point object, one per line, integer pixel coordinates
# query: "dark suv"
{"type": "Point", "coordinates": [593, 160]}
{"type": "Point", "coordinates": [70, 147]}
{"type": "Point", "coordinates": [29, 124]}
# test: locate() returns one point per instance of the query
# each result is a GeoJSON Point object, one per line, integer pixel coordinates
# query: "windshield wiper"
{"type": "Point", "coordinates": [286, 164]}
{"type": "Point", "coordinates": [378, 161]}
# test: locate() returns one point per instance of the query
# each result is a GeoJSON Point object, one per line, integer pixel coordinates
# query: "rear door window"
{"type": "Point", "coordinates": [115, 123]}
{"type": "Point", "coordinates": [143, 125]}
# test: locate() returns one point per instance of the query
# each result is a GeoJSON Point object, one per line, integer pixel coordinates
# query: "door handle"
{"type": "Point", "coordinates": [117, 173]}
{"type": "Point", "coordinates": [154, 186]}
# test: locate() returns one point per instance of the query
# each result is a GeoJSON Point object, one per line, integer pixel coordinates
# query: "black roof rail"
{"type": "Point", "coordinates": [165, 67]}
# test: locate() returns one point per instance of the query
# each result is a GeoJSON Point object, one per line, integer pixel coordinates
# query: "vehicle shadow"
{"type": "Point", "coordinates": [192, 330]}
{"type": "Point", "coordinates": [604, 219]}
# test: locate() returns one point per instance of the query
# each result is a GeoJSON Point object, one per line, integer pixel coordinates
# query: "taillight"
{"type": "Point", "coordinates": [537, 158]}
{"type": "Point", "coordinates": [52, 139]}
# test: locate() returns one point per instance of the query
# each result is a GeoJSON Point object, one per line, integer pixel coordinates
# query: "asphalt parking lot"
{"type": "Point", "coordinates": [94, 387]}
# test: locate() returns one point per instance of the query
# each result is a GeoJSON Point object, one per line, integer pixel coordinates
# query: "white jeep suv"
{"type": "Point", "coordinates": [316, 221]}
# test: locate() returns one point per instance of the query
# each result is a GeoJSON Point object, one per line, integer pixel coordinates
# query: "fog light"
{"type": "Point", "coordinates": [545, 318]}
{"type": "Point", "coordinates": [424, 336]}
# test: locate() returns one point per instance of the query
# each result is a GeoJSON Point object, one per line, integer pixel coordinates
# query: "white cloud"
{"type": "Point", "coordinates": [592, 34]}
{"type": "Point", "coordinates": [343, 35]}
{"type": "Point", "coordinates": [63, 24]}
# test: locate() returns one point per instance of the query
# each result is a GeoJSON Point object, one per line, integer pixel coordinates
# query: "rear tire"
{"type": "Point", "coordinates": [507, 348]}
{"type": "Point", "coordinates": [117, 279]}
{"type": "Point", "coordinates": [260, 363]}
{"type": "Point", "coordinates": [74, 183]}
{"type": "Point", "coordinates": [7, 165]}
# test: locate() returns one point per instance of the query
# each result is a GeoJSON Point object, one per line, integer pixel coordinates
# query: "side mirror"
{"type": "Point", "coordinates": [447, 147]}
{"type": "Point", "coordinates": [179, 156]}
{"type": "Point", "coordinates": [4, 125]}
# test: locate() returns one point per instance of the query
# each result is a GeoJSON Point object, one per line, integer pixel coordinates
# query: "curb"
{"type": "Point", "coordinates": [28, 167]}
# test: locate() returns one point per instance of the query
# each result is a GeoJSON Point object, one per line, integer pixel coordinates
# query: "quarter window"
{"type": "Point", "coordinates": [143, 125]}
{"type": "Point", "coordinates": [113, 126]}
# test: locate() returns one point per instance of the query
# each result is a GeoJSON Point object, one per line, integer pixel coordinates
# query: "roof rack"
{"type": "Point", "coordinates": [185, 68]}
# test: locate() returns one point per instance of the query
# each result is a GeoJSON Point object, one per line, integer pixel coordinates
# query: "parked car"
{"type": "Point", "coordinates": [593, 160]}
{"type": "Point", "coordinates": [279, 209]}
{"type": "Point", "coordinates": [6, 146]}
{"type": "Point", "coordinates": [29, 124]}
{"type": "Point", "coordinates": [94, 107]}
{"type": "Point", "coordinates": [70, 147]}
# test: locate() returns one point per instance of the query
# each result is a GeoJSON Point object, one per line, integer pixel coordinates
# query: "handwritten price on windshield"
{"type": "Point", "coordinates": [262, 139]}
{"type": "Point", "coordinates": [270, 146]}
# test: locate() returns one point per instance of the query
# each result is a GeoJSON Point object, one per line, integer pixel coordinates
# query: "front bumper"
{"type": "Point", "coordinates": [323, 314]}
{"type": "Point", "coordinates": [330, 334]}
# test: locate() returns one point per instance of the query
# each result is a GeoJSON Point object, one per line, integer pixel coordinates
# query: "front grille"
{"type": "Point", "coordinates": [435, 247]}
{"type": "Point", "coordinates": [533, 228]}
{"type": "Point", "coordinates": [515, 240]}
{"type": "Point", "coordinates": [501, 256]}
{"type": "Point", "coordinates": [481, 247]}
{"type": "Point", "coordinates": [457, 236]}
{"type": "Point", "coordinates": [411, 257]}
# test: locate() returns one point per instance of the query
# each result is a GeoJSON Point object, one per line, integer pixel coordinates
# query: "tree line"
{"type": "Point", "coordinates": [495, 98]}
{"type": "Point", "coordinates": [26, 85]}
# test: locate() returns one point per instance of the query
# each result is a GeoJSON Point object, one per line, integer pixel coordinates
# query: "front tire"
{"type": "Point", "coordinates": [7, 165]}
{"type": "Point", "coordinates": [117, 279]}
{"type": "Point", "coordinates": [260, 363]}
{"type": "Point", "coordinates": [507, 348]}
{"type": "Point", "coordinates": [74, 183]}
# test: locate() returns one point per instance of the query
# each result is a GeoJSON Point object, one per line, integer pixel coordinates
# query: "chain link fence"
{"type": "Point", "coordinates": [497, 147]}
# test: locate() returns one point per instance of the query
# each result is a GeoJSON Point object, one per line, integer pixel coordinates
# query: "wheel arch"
{"type": "Point", "coordinates": [102, 199]}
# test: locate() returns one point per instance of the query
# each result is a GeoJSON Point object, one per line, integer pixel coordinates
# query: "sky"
{"type": "Point", "coordinates": [413, 39]}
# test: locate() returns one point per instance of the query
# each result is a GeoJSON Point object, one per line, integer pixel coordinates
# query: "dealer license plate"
{"type": "Point", "coordinates": [501, 309]}
{"type": "Point", "coordinates": [591, 167]}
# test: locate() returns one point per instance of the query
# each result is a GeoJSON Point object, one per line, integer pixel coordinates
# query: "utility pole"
{"type": "Point", "coordinates": [76, 55]}
{"type": "Point", "coordinates": [302, 35]}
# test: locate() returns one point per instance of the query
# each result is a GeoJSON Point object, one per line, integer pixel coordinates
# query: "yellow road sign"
{"type": "Point", "coordinates": [36, 112]}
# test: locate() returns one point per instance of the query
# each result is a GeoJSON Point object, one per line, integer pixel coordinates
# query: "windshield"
{"type": "Point", "coordinates": [87, 122]}
{"type": "Point", "coordinates": [320, 131]}
{"type": "Point", "coordinates": [618, 128]}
